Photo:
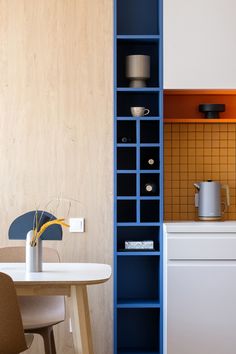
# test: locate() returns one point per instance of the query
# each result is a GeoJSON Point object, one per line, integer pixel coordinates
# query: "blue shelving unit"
{"type": "Point", "coordinates": [138, 213]}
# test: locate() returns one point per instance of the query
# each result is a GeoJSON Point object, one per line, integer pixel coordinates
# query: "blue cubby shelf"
{"type": "Point", "coordinates": [126, 198]}
{"type": "Point", "coordinates": [138, 37]}
{"type": "Point", "coordinates": [125, 171]}
{"type": "Point", "coordinates": [143, 89]}
{"type": "Point", "coordinates": [133, 351]}
{"type": "Point", "coordinates": [138, 253]}
{"type": "Point", "coordinates": [148, 144]}
{"type": "Point", "coordinates": [146, 118]}
{"type": "Point", "coordinates": [138, 164]}
{"type": "Point", "coordinates": [138, 224]}
{"type": "Point", "coordinates": [126, 145]}
{"type": "Point", "coordinates": [150, 198]}
{"type": "Point", "coordinates": [152, 171]}
{"type": "Point", "coordinates": [138, 304]}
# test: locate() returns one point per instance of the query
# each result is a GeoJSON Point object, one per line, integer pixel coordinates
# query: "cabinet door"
{"type": "Point", "coordinates": [201, 307]}
{"type": "Point", "coordinates": [199, 39]}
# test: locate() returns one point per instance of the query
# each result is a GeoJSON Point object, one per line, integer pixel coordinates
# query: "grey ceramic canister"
{"type": "Point", "coordinates": [138, 70]}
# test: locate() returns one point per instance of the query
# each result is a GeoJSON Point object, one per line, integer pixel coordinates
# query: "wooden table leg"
{"type": "Point", "coordinates": [81, 327]}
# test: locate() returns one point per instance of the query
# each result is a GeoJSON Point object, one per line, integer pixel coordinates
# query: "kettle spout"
{"type": "Point", "coordinates": [197, 186]}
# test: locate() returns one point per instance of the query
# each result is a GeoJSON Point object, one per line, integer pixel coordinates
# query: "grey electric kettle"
{"type": "Point", "coordinates": [208, 200]}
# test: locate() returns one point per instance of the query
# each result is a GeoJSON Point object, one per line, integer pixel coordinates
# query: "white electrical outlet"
{"type": "Point", "coordinates": [76, 224]}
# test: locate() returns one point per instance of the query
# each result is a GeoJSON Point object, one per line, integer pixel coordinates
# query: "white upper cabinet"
{"type": "Point", "coordinates": [200, 44]}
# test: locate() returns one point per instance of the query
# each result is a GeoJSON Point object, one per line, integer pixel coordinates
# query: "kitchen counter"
{"type": "Point", "coordinates": [200, 240]}
{"type": "Point", "coordinates": [200, 226]}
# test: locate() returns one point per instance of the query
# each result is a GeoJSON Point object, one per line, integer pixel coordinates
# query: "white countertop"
{"type": "Point", "coordinates": [200, 226]}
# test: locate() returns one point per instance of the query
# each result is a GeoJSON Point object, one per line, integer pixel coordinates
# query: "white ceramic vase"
{"type": "Point", "coordinates": [33, 254]}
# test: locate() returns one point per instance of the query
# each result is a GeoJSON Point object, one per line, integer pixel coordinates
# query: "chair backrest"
{"type": "Point", "coordinates": [12, 338]}
{"type": "Point", "coordinates": [17, 255]}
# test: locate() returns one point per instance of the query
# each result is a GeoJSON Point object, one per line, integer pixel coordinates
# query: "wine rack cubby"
{"type": "Point", "coordinates": [138, 179]}
{"type": "Point", "coordinates": [149, 158]}
{"type": "Point", "coordinates": [126, 158]}
{"type": "Point", "coordinates": [126, 184]}
{"type": "Point", "coordinates": [149, 184]}
{"type": "Point", "coordinates": [150, 211]}
{"type": "Point", "coordinates": [149, 131]}
{"type": "Point", "coordinates": [126, 132]}
{"type": "Point", "coordinates": [126, 211]}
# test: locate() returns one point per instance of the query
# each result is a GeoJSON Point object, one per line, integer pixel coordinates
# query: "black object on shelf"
{"type": "Point", "coordinates": [211, 110]}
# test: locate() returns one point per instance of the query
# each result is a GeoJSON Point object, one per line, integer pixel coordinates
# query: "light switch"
{"type": "Point", "coordinates": [76, 224]}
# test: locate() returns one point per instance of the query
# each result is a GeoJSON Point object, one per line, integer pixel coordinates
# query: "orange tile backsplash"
{"type": "Point", "coordinates": [194, 153]}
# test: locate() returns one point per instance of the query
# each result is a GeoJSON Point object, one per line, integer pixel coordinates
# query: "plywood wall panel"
{"type": "Point", "coordinates": [56, 131]}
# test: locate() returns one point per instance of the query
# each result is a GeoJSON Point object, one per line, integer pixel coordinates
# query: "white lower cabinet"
{"type": "Point", "coordinates": [200, 290]}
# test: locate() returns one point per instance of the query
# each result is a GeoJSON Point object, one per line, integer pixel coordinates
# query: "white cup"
{"type": "Point", "coordinates": [139, 111]}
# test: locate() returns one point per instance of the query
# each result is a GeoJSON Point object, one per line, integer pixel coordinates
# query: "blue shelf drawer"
{"type": "Point", "coordinates": [138, 278]}
{"type": "Point", "coordinates": [138, 330]}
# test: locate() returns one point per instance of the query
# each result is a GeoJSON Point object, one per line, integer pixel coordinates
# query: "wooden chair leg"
{"type": "Point", "coordinates": [46, 334]}
{"type": "Point", "coordinates": [53, 343]}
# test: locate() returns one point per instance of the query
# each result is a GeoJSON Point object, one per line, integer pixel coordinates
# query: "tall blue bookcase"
{"type": "Point", "coordinates": [138, 213]}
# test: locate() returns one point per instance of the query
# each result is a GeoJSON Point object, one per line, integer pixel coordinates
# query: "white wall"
{"type": "Point", "coordinates": [199, 43]}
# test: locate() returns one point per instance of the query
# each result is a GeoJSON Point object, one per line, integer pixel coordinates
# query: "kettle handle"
{"type": "Point", "coordinates": [226, 187]}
